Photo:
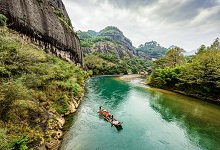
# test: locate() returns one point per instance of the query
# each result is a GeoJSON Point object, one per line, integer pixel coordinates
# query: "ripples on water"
{"type": "Point", "coordinates": [152, 119]}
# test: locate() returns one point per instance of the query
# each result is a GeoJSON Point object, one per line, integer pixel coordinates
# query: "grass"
{"type": "Point", "coordinates": [33, 84]}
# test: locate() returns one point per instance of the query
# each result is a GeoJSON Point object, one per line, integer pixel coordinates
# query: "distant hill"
{"type": "Point", "coordinates": [110, 52]}
{"type": "Point", "coordinates": [185, 53]}
{"type": "Point", "coordinates": [190, 53]}
{"type": "Point", "coordinates": [113, 39]}
{"type": "Point", "coordinates": [151, 50]}
{"type": "Point", "coordinates": [172, 46]}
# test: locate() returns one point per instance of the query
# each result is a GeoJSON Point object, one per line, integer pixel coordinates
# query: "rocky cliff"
{"type": "Point", "coordinates": [106, 40]}
{"type": "Point", "coordinates": [112, 39]}
{"type": "Point", "coordinates": [47, 23]}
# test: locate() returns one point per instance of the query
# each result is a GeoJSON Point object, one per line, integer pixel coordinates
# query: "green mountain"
{"type": "Point", "coordinates": [112, 39]}
{"type": "Point", "coordinates": [151, 50]}
{"type": "Point", "coordinates": [110, 52]}
{"type": "Point", "coordinates": [106, 40]}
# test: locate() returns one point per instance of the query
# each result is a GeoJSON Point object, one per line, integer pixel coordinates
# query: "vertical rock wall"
{"type": "Point", "coordinates": [47, 23]}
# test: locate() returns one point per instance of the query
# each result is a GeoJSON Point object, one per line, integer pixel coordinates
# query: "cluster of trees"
{"type": "Point", "coordinates": [198, 76]}
{"type": "Point", "coordinates": [102, 64]}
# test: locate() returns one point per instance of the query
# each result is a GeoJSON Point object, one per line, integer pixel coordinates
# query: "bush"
{"type": "Point", "coordinates": [165, 78]}
{"type": "Point", "coordinates": [3, 20]}
{"type": "Point", "coordinates": [21, 144]}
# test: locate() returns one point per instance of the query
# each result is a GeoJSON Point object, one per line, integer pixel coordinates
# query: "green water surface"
{"type": "Point", "coordinates": [152, 119]}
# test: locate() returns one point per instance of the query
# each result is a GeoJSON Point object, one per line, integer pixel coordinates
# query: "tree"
{"type": "Point", "coordinates": [172, 58]}
{"type": "Point", "coordinates": [203, 74]}
{"type": "Point", "coordinates": [175, 57]}
{"type": "Point", "coordinates": [201, 50]}
{"type": "Point", "coordinates": [215, 45]}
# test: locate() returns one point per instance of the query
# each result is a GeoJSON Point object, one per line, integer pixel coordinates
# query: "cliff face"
{"type": "Point", "coordinates": [47, 23]}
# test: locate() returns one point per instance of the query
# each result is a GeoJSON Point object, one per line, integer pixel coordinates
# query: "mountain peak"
{"type": "Point", "coordinates": [109, 38]}
{"type": "Point", "coordinates": [110, 30]}
{"type": "Point", "coordinates": [172, 46]}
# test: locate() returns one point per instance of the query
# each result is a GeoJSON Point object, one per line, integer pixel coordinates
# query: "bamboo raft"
{"type": "Point", "coordinates": [113, 121]}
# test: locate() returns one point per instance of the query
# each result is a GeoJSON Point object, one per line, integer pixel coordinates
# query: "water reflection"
{"type": "Point", "coordinates": [111, 92]}
{"type": "Point", "coordinates": [199, 119]}
{"type": "Point", "coordinates": [119, 128]}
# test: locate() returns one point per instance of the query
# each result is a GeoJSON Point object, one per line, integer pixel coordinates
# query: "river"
{"type": "Point", "coordinates": [152, 119]}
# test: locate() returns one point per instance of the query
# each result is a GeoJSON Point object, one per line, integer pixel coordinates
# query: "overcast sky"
{"type": "Point", "coordinates": [184, 23]}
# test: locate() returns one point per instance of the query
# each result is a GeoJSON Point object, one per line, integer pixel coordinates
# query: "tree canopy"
{"type": "Point", "coordinates": [199, 77]}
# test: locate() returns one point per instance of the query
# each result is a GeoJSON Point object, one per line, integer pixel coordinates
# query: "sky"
{"type": "Point", "coordinates": [184, 23]}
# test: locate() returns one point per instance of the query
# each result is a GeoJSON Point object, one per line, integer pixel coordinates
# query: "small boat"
{"type": "Point", "coordinates": [106, 115]}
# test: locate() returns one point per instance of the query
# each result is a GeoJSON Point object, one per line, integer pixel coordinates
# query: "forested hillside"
{"type": "Point", "coordinates": [110, 52]}
{"type": "Point", "coordinates": [199, 76]}
{"type": "Point", "coordinates": [36, 91]}
{"type": "Point", "coordinates": [108, 64]}
{"type": "Point", "coordinates": [151, 50]}
{"type": "Point", "coordinates": [106, 40]}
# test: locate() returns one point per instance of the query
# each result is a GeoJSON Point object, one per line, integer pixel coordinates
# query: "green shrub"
{"type": "Point", "coordinates": [62, 104]}
{"type": "Point", "coordinates": [3, 20]}
{"type": "Point", "coordinates": [21, 144]}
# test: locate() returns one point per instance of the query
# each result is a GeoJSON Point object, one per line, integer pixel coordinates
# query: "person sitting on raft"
{"type": "Point", "coordinates": [104, 112]}
{"type": "Point", "coordinates": [108, 115]}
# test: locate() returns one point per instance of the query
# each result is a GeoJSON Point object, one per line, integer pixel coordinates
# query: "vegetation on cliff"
{"type": "Point", "coordinates": [199, 77]}
{"type": "Point", "coordinates": [110, 38]}
{"type": "Point", "coordinates": [36, 89]}
{"type": "Point", "coordinates": [65, 20]}
{"type": "Point", "coordinates": [110, 52]}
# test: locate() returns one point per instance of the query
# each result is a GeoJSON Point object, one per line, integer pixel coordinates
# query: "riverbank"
{"type": "Point", "coordinates": [134, 76]}
{"type": "Point", "coordinates": [129, 77]}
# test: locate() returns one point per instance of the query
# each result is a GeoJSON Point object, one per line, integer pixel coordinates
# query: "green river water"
{"type": "Point", "coordinates": [152, 119]}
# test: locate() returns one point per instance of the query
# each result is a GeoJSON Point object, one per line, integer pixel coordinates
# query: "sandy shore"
{"type": "Point", "coordinates": [129, 77]}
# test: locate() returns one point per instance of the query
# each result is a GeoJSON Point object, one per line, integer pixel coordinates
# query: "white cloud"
{"type": "Point", "coordinates": [185, 23]}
